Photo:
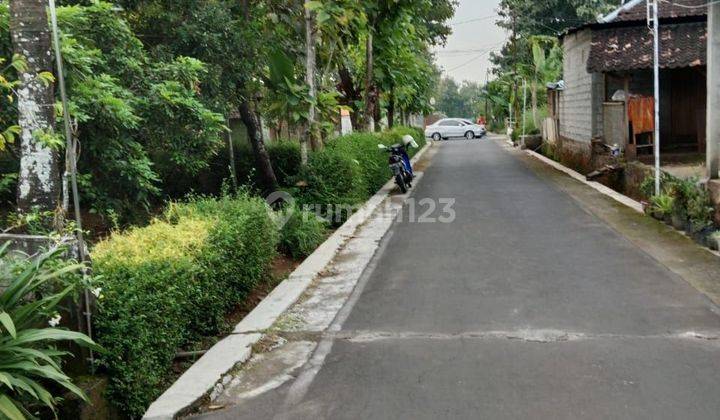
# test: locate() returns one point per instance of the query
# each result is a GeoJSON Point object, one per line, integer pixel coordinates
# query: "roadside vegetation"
{"type": "Point", "coordinates": [173, 282]}
{"type": "Point", "coordinates": [686, 205]}
{"type": "Point", "coordinates": [32, 293]}
{"type": "Point", "coordinates": [169, 107]}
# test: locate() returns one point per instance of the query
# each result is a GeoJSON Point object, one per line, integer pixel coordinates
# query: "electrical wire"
{"type": "Point", "coordinates": [479, 56]}
{"type": "Point", "coordinates": [469, 61]}
{"type": "Point", "coordinates": [463, 22]}
{"type": "Point", "coordinates": [688, 6]}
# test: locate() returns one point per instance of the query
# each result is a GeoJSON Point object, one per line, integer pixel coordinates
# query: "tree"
{"type": "Point", "coordinates": [39, 179]}
{"type": "Point", "coordinates": [528, 18]}
{"type": "Point", "coordinates": [547, 67]}
{"type": "Point", "coordinates": [388, 24]}
{"type": "Point", "coordinates": [461, 101]}
{"type": "Point", "coordinates": [310, 136]}
{"type": "Point", "coordinates": [228, 36]}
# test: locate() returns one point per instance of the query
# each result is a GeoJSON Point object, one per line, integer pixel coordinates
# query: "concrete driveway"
{"type": "Point", "coordinates": [526, 306]}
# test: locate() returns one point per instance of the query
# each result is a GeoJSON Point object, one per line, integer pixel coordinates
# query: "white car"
{"type": "Point", "coordinates": [454, 127]}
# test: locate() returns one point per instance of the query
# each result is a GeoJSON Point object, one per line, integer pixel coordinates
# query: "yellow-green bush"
{"type": "Point", "coordinates": [171, 282]}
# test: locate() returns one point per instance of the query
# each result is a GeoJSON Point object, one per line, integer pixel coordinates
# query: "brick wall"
{"type": "Point", "coordinates": [581, 101]}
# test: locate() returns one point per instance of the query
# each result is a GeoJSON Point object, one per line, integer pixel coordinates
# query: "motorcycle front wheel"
{"type": "Point", "coordinates": [400, 181]}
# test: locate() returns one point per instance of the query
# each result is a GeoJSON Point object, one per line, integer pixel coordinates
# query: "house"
{"type": "Point", "coordinates": [608, 84]}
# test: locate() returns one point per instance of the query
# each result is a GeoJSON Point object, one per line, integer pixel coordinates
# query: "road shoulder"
{"type": "Point", "coordinates": [695, 264]}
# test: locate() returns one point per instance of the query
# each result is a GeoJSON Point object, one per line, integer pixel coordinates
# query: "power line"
{"type": "Point", "coordinates": [461, 52]}
{"type": "Point", "coordinates": [463, 22]}
{"type": "Point", "coordinates": [469, 61]}
{"type": "Point", "coordinates": [476, 50]}
{"type": "Point", "coordinates": [688, 6]}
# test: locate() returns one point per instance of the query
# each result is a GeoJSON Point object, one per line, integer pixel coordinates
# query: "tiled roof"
{"type": "Point", "coordinates": [668, 9]}
{"type": "Point", "coordinates": [631, 48]}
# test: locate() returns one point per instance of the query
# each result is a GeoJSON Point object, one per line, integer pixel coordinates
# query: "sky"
{"type": "Point", "coordinates": [466, 55]}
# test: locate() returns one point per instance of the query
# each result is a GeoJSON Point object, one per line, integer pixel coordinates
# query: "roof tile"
{"type": "Point", "coordinates": [631, 48]}
{"type": "Point", "coordinates": [668, 9]}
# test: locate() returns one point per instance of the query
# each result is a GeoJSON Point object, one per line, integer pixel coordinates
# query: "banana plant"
{"type": "Point", "coordinates": [29, 357]}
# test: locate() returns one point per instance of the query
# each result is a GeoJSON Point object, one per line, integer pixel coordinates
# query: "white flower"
{"type": "Point", "coordinates": [55, 321]}
{"type": "Point", "coordinates": [96, 292]}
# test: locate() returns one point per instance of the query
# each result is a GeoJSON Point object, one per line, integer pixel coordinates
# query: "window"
{"type": "Point", "coordinates": [450, 123]}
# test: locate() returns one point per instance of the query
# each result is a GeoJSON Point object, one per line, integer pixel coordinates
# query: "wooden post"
{"type": "Point", "coordinates": [630, 149]}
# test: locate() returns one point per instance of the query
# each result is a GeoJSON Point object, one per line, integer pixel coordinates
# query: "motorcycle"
{"type": "Point", "coordinates": [400, 165]}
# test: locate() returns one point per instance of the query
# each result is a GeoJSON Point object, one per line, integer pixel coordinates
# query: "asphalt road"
{"type": "Point", "coordinates": [526, 306]}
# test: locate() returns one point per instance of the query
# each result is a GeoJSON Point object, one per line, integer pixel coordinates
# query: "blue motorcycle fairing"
{"type": "Point", "coordinates": [406, 163]}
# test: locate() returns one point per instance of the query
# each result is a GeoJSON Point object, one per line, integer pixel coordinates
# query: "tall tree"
{"type": "Point", "coordinates": [527, 18]}
{"type": "Point", "coordinates": [251, 118]}
{"type": "Point", "coordinates": [227, 36]}
{"type": "Point", "coordinates": [39, 180]}
{"type": "Point", "coordinates": [310, 135]}
{"type": "Point", "coordinates": [392, 26]}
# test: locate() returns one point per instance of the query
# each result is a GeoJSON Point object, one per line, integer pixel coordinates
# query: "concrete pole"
{"type": "Point", "coordinates": [713, 92]}
{"type": "Point", "coordinates": [656, 71]}
{"type": "Point", "coordinates": [71, 147]}
{"type": "Point", "coordinates": [524, 106]}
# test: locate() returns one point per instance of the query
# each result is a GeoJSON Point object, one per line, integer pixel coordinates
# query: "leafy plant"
{"type": "Point", "coordinates": [34, 222]}
{"type": "Point", "coordinates": [700, 211]}
{"type": "Point", "coordinates": [29, 358]}
{"type": "Point", "coordinates": [667, 181]}
{"type": "Point", "coordinates": [302, 233]}
{"type": "Point", "coordinates": [172, 282]}
{"type": "Point", "coordinates": [663, 204]}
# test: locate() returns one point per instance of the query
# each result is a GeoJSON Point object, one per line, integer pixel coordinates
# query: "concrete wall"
{"type": "Point", "coordinates": [614, 123]}
{"type": "Point", "coordinates": [581, 101]}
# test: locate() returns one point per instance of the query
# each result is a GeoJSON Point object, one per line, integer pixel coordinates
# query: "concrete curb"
{"type": "Point", "coordinates": [236, 348]}
{"type": "Point", "coordinates": [623, 199]}
{"type": "Point", "coordinates": [635, 205]}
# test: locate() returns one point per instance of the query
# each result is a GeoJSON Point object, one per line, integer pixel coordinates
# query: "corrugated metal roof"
{"type": "Point", "coordinates": [631, 48]}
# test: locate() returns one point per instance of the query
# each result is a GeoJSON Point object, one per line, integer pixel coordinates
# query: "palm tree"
{"type": "Point", "coordinates": [547, 67]}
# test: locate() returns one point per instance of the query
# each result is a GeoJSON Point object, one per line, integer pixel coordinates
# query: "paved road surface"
{"type": "Point", "coordinates": [525, 307]}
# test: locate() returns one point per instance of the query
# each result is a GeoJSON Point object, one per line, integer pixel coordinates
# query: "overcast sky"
{"type": "Point", "coordinates": [466, 55]}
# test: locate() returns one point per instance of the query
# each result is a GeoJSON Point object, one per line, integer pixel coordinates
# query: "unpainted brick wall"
{"type": "Point", "coordinates": [581, 102]}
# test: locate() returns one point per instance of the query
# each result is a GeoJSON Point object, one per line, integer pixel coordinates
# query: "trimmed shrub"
{"type": "Point", "coordinates": [332, 181]}
{"type": "Point", "coordinates": [170, 282]}
{"type": "Point", "coordinates": [348, 171]}
{"type": "Point", "coordinates": [362, 148]}
{"type": "Point", "coordinates": [173, 281]}
{"type": "Point", "coordinates": [302, 233]}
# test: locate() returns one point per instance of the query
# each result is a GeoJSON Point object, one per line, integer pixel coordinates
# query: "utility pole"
{"type": "Point", "coordinates": [656, 70]}
{"type": "Point", "coordinates": [713, 92]}
{"type": "Point", "coordinates": [524, 105]}
{"type": "Point", "coordinates": [71, 165]}
{"type": "Point", "coordinates": [487, 92]}
{"type": "Point", "coordinates": [513, 39]}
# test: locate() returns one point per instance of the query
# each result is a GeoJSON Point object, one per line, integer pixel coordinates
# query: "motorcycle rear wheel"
{"type": "Point", "coordinates": [400, 181]}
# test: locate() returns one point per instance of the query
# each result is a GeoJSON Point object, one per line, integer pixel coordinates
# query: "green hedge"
{"type": "Point", "coordinates": [168, 283]}
{"type": "Point", "coordinates": [301, 233]}
{"type": "Point", "coordinates": [349, 170]}
{"type": "Point", "coordinates": [173, 281]}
